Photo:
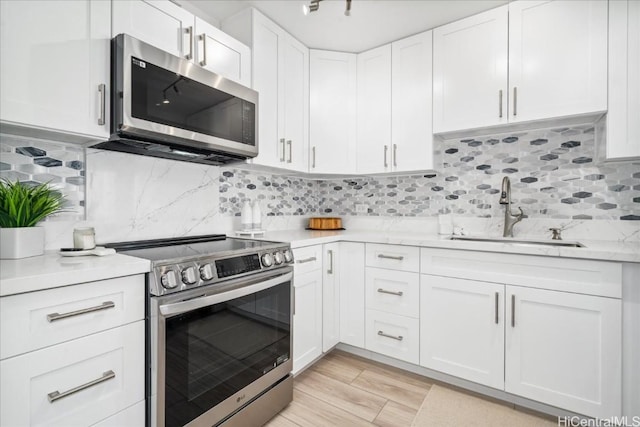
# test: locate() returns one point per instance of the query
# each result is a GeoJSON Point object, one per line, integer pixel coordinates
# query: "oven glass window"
{"type": "Point", "coordinates": [164, 97]}
{"type": "Point", "coordinates": [213, 352]}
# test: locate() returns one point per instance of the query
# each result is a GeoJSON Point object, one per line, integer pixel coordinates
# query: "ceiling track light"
{"type": "Point", "coordinates": [315, 5]}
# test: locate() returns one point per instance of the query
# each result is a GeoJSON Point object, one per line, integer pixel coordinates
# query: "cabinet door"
{"type": "Point", "coordinates": [623, 126]}
{"type": "Point", "coordinates": [55, 57]}
{"type": "Point", "coordinates": [159, 23]}
{"type": "Point", "coordinates": [411, 108]}
{"type": "Point", "coordinates": [332, 111]}
{"type": "Point", "coordinates": [352, 280]}
{"type": "Point", "coordinates": [267, 38]}
{"type": "Point", "coordinates": [557, 58]}
{"type": "Point", "coordinates": [294, 77]}
{"type": "Point", "coordinates": [564, 349]}
{"type": "Point", "coordinates": [331, 297]}
{"type": "Point", "coordinates": [462, 328]}
{"type": "Point", "coordinates": [222, 54]}
{"type": "Point", "coordinates": [470, 72]}
{"type": "Point", "coordinates": [374, 111]}
{"type": "Point", "coordinates": [307, 319]}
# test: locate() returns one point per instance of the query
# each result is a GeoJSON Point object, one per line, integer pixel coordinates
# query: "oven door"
{"type": "Point", "coordinates": [215, 350]}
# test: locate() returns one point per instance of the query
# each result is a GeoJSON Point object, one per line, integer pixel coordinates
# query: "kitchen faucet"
{"type": "Point", "coordinates": [505, 199]}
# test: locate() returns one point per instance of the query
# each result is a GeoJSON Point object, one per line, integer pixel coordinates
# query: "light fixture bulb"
{"type": "Point", "coordinates": [165, 101]}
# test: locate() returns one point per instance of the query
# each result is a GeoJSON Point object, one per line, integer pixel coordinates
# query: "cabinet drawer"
{"type": "Point", "coordinates": [394, 257]}
{"type": "Point", "coordinates": [396, 292]}
{"type": "Point", "coordinates": [39, 319]}
{"type": "Point", "coordinates": [561, 274]}
{"type": "Point", "coordinates": [106, 369]}
{"type": "Point", "coordinates": [133, 416]}
{"type": "Point", "coordinates": [307, 259]}
{"type": "Point", "coordinates": [392, 335]}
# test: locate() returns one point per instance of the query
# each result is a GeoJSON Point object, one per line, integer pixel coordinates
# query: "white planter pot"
{"type": "Point", "coordinates": [21, 242]}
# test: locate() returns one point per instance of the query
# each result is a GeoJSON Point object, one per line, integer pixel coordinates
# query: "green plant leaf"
{"type": "Point", "coordinates": [24, 205]}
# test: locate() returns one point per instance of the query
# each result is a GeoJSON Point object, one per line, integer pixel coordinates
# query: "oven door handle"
{"type": "Point", "coordinates": [196, 303]}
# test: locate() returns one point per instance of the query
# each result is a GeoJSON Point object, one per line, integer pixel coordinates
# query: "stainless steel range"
{"type": "Point", "coordinates": [220, 312]}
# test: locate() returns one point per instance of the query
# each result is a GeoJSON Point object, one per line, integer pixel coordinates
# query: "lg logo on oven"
{"type": "Point", "coordinates": [240, 398]}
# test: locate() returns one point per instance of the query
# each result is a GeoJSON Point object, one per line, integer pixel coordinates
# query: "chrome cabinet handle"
{"type": "Point", "coordinates": [515, 101]}
{"type": "Point", "coordinates": [313, 157]}
{"type": "Point", "coordinates": [500, 103]}
{"type": "Point", "coordinates": [395, 155]}
{"type": "Point", "coordinates": [386, 148]}
{"type": "Point", "coordinates": [57, 316]}
{"type": "Point", "coordinates": [384, 291]}
{"type": "Point", "coordinates": [290, 155]}
{"type": "Point", "coordinates": [203, 37]}
{"type": "Point", "coordinates": [497, 303]}
{"type": "Point", "coordinates": [513, 311]}
{"type": "Point", "coordinates": [189, 30]}
{"type": "Point", "coordinates": [102, 88]}
{"type": "Point", "coordinates": [399, 337]}
{"type": "Point", "coordinates": [282, 142]}
{"type": "Point", "coordinates": [330, 254]}
{"type": "Point", "coordinates": [56, 395]}
{"type": "Point", "coordinates": [397, 258]}
{"type": "Point", "coordinates": [302, 261]}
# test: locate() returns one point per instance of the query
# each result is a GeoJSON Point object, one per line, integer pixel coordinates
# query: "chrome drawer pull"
{"type": "Point", "coordinates": [513, 311]}
{"type": "Point", "coordinates": [189, 30]}
{"type": "Point", "coordinates": [497, 305]}
{"type": "Point", "coordinates": [57, 316]}
{"type": "Point", "coordinates": [397, 258]}
{"type": "Point", "coordinates": [302, 261]}
{"type": "Point", "coordinates": [56, 395]}
{"type": "Point", "coordinates": [382, 334]}
{"type": "Point", "coordinates": [384, 291]}
{"type": "Point", "coordinates": [102, 88]}
{"type": "Point", "coordinates": [330, 269]}
{"type": "Point", "coordinates": [203, 37]}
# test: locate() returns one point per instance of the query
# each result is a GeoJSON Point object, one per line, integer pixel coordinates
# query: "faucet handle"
{"type": "Point", "coordinates": [556, 233]}
{"type": "Point", "coordinates": [521, 214]}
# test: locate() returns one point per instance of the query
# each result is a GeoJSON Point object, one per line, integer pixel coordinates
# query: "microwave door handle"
{"type": "Point", "coordinates": [196, 303]}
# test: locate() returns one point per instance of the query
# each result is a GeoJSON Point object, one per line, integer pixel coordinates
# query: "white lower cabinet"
{"type": "Point", "coordinates": [564, 349]}
{"type": "Point", "coordinates": [462, 328]}
{"type": "Point", "coordinates": [76, 383]}
{"type": "Point", "coordinates": [352, 293]}
{"type": "Point", "coordinates": [560, 347]}
{"type": "Point", "coordinates": [331, 297]}
{"type": "Point", "coordinates": [307, 319]}
{"type": "Point", "coordinates": [392, 335]}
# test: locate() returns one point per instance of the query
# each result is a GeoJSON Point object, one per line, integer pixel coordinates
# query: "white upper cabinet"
{"type": "Point", "coordinates": [374, 111]}
{"type": "Point", "coordinates": [623, 126]}
{"type": "Point", "coordinates": [222, 54]}
{"type": "Point", "coordinates": [411, 103]}
{"type": "Point", "coordinates": [54, 72]}
{"type": "Point", "coordinates": [470, 72]}
{"type": "Point", "coordinates": [280, 73]}
{"type": "Point", "coordinates": [332, 111]}
{"type": "Point", "coordinates": [557, 58]}
{"type": "Point", "coordinates": [556, 64]}
{"type": "Point", "coordinates": [169, 27]}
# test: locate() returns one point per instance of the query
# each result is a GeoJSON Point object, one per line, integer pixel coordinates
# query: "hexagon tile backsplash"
{"type": "Point", "coordinates": [35, 161]}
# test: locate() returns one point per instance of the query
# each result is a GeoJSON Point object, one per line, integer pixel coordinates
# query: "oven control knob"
{"type": "Point", "coordinates": [278, 258]}
{"type": "Point", "coordinates": [267, 260]}
{"type": "Point", "coordinates": [189, 275]}
{"type": "Point", "coordinates": [288, 256]}
{"type": "Point", "coordinates": [168, 280]}
{"type": "Point", "coordinates": [206, 272]}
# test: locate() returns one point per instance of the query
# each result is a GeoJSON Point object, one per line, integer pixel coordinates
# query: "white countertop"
{"type": "Point", "coordinates": [596, 250]}
{"type": "Point", "coordinates": [52, 270]}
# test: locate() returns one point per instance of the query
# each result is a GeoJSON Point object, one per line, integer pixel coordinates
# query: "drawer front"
{"type": "Point", "coordinates": [393, 257]}
{"type": "Point", "coordinates": [39, 319]}
{"type": "Point", "coordinates": [589, 277]}
{"type": "Point", "coordinates": [106, 368]}
{"type": "Point", "coordinates": [307, 259]}
{"type": "Point", "coordinates": [133, 416]}
{"type": "Point", "coordinates": [392, 335]}
{"type": "Point", "coordinates": [396, 292]}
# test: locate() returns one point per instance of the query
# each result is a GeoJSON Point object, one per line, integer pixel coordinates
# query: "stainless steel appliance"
{"type": "Point", "coordinates": [220, 316]}
{"type": "Point", "coordinates": [166, 106]}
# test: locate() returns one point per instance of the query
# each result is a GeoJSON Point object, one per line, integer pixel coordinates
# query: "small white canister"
{"type": "Point", "coordinates": [84, 238]}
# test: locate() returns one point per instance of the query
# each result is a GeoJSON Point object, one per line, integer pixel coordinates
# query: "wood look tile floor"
{"type": "Point", "coordinates": [345, 390]}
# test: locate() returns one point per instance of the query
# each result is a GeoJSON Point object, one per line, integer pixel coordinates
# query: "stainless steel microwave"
{"type": "Point", "coordinates": [165, 106]}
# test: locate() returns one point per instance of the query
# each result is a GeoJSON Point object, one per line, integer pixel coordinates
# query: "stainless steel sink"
{"type": "Point", "coordinates": [556, 243]}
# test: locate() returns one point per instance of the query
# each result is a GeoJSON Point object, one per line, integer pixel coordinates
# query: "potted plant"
{"type": "Point", "coordinates": [22, 207]}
